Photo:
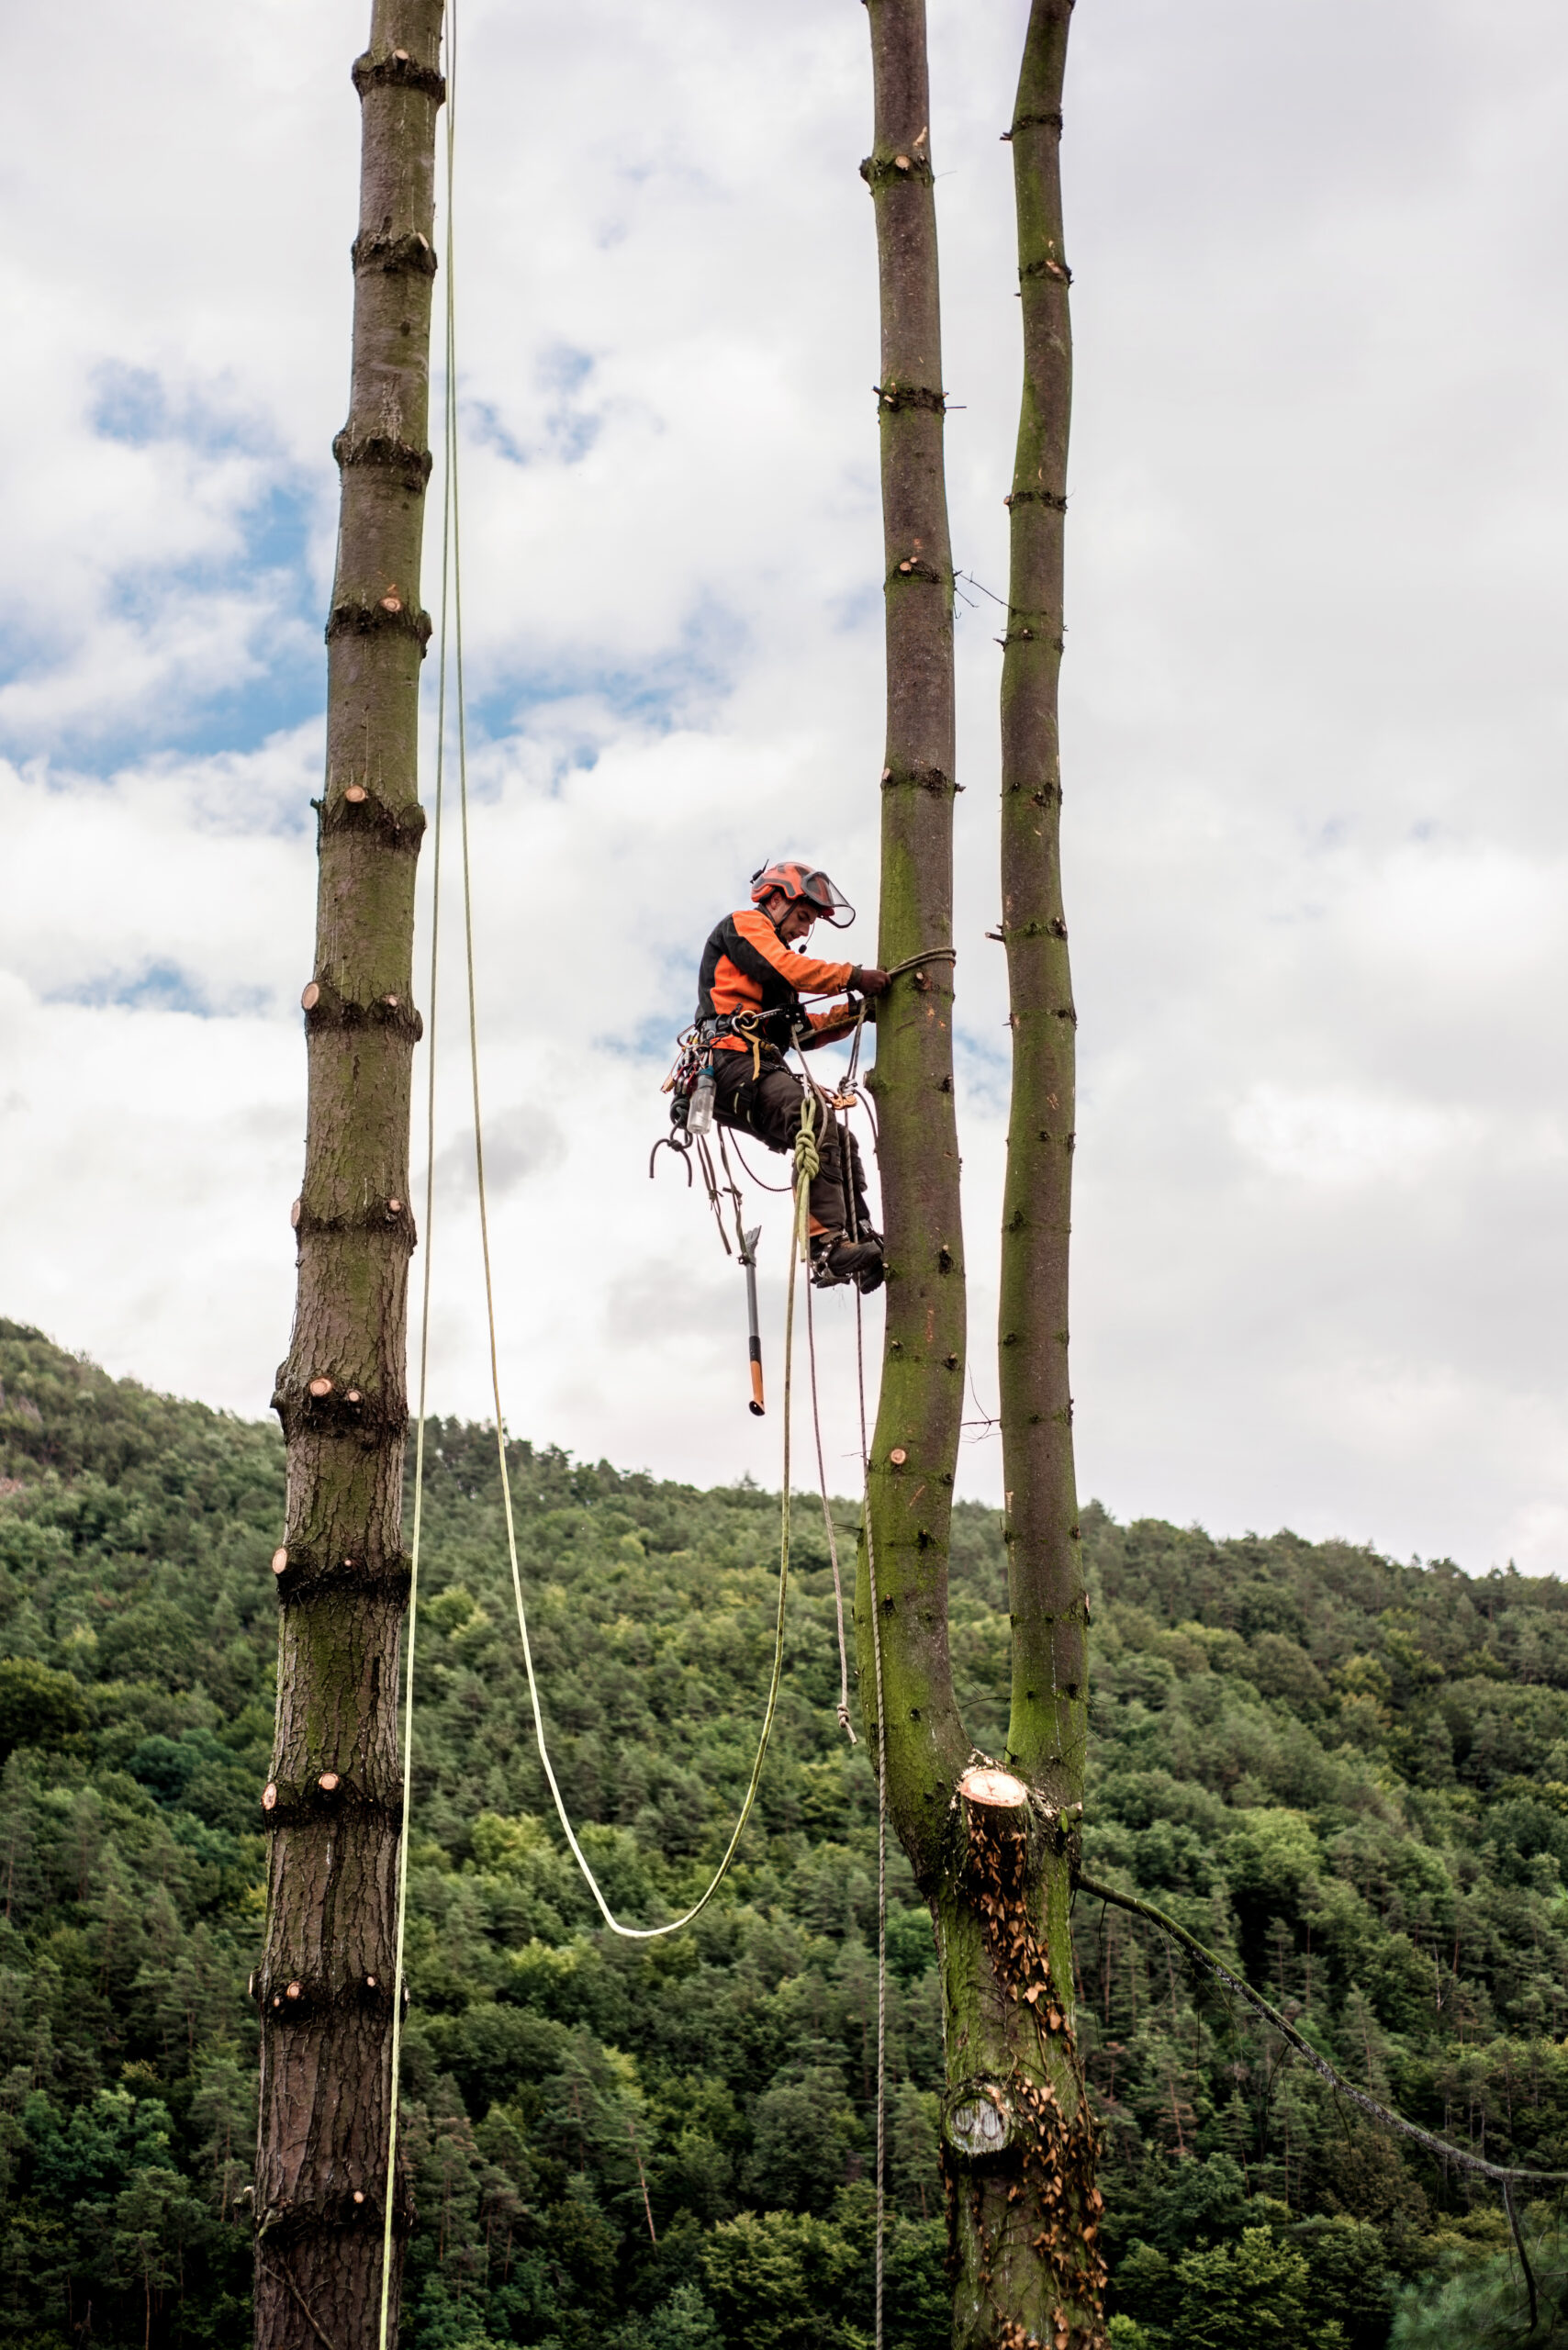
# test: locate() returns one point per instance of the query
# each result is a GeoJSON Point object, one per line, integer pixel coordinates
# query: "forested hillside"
{"type": "Point", "coordinates": [1351, 1775]}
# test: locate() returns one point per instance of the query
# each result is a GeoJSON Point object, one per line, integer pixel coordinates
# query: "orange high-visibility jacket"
{"type": "Point", "coordinates": [747, 967]}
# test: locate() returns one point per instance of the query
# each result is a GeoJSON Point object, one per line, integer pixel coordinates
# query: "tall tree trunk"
{"type": "Point", "coordinates": [991, 1851]}
{"type": "Point", "coordinates": [325, 1984]}
{"type": "Point", "coordinates": [1048, 1726]}
{"type": "Point", "coordinates": [916, 1440]}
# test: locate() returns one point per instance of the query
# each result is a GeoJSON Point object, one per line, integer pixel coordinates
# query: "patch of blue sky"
{"type": "Point", "coordinates": [678, 686]}
{"type": "Point", "coordinates": [480, 422]}
{"type": "Point", "coordinates": [653, 1036]}
{"type": "Point", "coordinates": [276, 682]}
{"type": "Point", "coordinates": [570, 431]}
{"type": "Point", "coordinates": [135, 405]}
{"type": "Point", "coordinates": [563, 368]}
{"type": "Point", "coordinates": [984, 1069]}
{"type": "Point", "coordinates": [277, 531]}
{"type": "Point", "coordinates": [573, 432]}
{"type": "Point", "coordinates": [160, 987]}
{"type": "Point", "coordinates": [856, 607]}
{"type": "Point", "coordinates": [274, 539]}
{"type": "Point", "coordinates": [287, 692]}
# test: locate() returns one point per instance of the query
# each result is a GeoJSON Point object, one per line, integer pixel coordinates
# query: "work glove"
{"type": "Point", "coordinates": [868, 980]}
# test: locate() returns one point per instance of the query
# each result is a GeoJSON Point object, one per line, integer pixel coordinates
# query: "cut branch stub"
{"type": "Point", "coordinates": [898, 170]}
{"type": "Point", "coordinates": [325, 1007]}
{"type": "Point", "coordinates": [322, 1409]}
{"type": "Point", "coordinates": [291, 1804]}
{"type": "Point", "coordinates": [385, 1217]}
{"type": "Point", "coordinates": [359, 808]}
{"type": "Point", "coordinates": [307, 1575]}
{"type": "Point", "coordinates": [983, 1783]}
{"type": "Point", "coordinates": [399, 71]}
{"type": "Point", "coordinates": [408, 467]}
{"type": "Point", "coordinates": [901, 398]}
{"type": "Point", "coordinates": [389, 616]}
{"type": "Point", "coordinates": [394, 256]}
{"type": "Point", "coordinates": [977, 2118]}
{"type": "Point", "coordinates": [935, 780]}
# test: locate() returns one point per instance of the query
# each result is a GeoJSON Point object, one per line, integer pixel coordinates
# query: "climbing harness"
{"type": "Point", "coordinates": [692, 1086]}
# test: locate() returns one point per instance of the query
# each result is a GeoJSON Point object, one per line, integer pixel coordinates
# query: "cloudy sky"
{"type": "Point", "coordinates": [1314, 724]}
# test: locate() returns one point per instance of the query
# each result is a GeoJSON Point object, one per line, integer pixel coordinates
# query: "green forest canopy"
{"type": "Point", "coordinates": [1349, 1775]}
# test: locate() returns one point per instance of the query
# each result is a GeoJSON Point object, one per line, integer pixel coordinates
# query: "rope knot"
{"type": "Point", "coordinates": [808, 1158]}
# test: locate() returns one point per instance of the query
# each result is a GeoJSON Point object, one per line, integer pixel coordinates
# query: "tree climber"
{"type": "Point", "coordinates": [749, 1009]}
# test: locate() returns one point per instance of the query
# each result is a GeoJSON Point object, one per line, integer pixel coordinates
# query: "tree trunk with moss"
{"type": "Point", "coordinates": [1047, 1728]}
{"type": "Point", "coordinates": [332, 1806]}
{"type": "Point", "coordinates": [991, 1847]}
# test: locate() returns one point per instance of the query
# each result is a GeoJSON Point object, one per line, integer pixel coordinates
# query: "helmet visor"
{"type": "Point", "coordinates": [831, 904]}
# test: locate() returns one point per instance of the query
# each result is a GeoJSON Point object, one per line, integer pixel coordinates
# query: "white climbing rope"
{"type": "Point", "coordinates": [851, 1087]}
{"type": "Point", "coordinates": [451, 666]}
{"type": "Point", "coordinates": [399, 1969]}
{"type": "Point", "coordinates": [881, 1812]}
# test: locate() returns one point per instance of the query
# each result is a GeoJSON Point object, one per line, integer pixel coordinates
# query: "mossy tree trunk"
{"type": "Point", "coordinates": [991, 1847]}
{"type": "Point", "coordinates": [916, 1440]}
{"type": "Point", "coordinates": [332, 1806]}
{"type": "Point", "coordinates": [1049, 1724]}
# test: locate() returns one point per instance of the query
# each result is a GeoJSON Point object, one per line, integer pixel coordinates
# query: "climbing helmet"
{"type": "Point", "coordinates": [799, 880]}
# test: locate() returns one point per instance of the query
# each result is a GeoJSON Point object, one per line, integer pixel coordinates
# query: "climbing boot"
{"type": "Point", "coordinates": [835, 1259]}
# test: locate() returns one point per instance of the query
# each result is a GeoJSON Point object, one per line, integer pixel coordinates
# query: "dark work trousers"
{"type": "Point", "coordinates": [768, 1106]}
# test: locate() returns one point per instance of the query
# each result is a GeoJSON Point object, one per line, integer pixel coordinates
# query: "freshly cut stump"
{"type": "Point", "coordinates": [983, 1783]}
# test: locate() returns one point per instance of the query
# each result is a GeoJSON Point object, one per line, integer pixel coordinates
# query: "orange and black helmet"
{"type": "Point", "coordinates": [799, 880]}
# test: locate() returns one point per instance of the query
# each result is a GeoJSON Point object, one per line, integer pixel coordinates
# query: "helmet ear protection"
{"type": "Point", "coordinates": [803, 881]}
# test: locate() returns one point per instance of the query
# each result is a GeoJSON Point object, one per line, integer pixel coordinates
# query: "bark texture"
{"type": "Point", "coordinates": [1047, 1728]}
{"type": "Point", "coordinates": [916, 1440]}
{"type": "Point", "coordinates": [992, 1852]}
{"type": "Point", "coordinates": [1014, 2124]}
{"type": "Point", "coordinates": [333, 1805]}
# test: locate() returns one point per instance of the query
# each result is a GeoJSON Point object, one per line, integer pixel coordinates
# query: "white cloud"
{"type": "Point", "coordinates": [1343, 1138]}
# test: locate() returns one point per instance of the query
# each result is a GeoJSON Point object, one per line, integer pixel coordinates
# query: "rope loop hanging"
{"type": "Point", "coordinates": [807, 1163]}
{"type": "Point", "coordinates": [452, 634]}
